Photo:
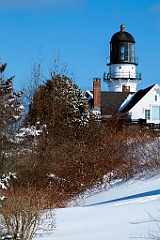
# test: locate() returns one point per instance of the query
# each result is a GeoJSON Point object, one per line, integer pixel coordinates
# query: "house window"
{"type": "Point", "coordinates": [156, 112]}
{"type": "Point", "coordinates": [156, 98]}
{"type": "Point", "coordinates": [147, 114]}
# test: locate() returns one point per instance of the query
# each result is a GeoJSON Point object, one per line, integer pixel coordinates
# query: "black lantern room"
{"type": "Point", "coordinates": [122, 48]}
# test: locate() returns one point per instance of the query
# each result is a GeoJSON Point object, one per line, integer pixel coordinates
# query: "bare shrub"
{"type": "Point", "coordinates": [79, 156]}
{"type": "Point", "coordinates": [23, 213]}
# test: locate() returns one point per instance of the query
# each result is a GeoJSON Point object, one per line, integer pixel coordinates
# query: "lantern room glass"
{"type": "Point", "coordinates": [122, 52]}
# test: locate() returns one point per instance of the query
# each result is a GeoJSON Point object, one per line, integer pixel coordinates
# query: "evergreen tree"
{"type": "Point", "coordinates": [10, 113]}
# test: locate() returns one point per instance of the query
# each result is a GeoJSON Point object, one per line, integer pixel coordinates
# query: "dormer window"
{"type": "Point", "coordinates": [156, 98]}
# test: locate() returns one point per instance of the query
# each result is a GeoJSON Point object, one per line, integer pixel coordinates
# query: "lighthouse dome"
{"type": "Point", "coordinates": [122, 36]}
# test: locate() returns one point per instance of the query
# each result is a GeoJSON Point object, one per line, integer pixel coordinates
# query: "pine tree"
{"type": "Point", "coordinates": [10, 113]}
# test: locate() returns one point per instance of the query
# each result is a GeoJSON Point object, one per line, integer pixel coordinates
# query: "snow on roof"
{"type": "Point", "coordinates": [128, 99]}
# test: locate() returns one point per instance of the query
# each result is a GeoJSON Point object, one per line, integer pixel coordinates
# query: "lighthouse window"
{"type": "Point", "coordinates": [122, 53]}
{"type": "Point", "coordinates": [113, 52]}
{"type": "Point", "coordinates": [126, 52]}
{"type": "Point", "coordinates": [131, 52]}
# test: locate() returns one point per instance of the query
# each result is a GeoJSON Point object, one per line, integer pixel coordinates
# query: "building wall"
{"type": "Point", "coordinates": [123, 70]}
{"type": "Point", "coordinates": [117, 85]}
{"type": "Point", "coordinates": [148, 107]}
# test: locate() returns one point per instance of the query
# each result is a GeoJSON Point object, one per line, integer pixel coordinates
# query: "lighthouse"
{"type": "Point", "coordinates": [122, 75]}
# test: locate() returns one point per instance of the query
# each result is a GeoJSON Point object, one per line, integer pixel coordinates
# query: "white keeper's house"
{"type": "Point", "coordinates": [123, 99]}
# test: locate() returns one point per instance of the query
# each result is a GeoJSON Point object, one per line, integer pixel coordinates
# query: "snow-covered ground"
{"type": "Point", "coordinates": [125, 211]}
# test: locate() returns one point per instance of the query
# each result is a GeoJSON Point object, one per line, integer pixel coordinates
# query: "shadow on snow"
{"type": "Point", "coordinates": [135, 196]}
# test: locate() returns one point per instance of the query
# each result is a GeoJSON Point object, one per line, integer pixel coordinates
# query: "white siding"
{"type": "Point", "coordinates": [151, 101]}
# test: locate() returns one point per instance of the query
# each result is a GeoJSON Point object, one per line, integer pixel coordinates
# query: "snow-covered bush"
{"type": "Point", "coordinates": [4, 180]}
{"type": "Point", "coordinates": [4, 183]}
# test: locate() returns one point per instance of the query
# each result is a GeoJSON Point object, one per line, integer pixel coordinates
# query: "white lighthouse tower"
{"type": "Point", "coordinates": [122, 76]}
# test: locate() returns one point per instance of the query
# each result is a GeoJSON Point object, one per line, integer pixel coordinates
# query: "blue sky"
{"type": "Point", "coordinates": [80, 30]}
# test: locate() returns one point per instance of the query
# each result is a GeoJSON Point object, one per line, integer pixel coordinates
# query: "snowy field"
{"type": "Point", "coordinates": [125, 211]}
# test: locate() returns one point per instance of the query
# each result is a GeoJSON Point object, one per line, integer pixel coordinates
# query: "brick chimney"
{"type": "Point", "coordinates": [97, 94]}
